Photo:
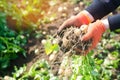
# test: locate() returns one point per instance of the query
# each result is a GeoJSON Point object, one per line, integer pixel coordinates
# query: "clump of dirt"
{"type": "Point", "coordinates": [70, 40]}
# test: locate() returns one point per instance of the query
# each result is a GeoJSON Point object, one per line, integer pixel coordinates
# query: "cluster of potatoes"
{"type": "Point", "coordinates": [70, 39]}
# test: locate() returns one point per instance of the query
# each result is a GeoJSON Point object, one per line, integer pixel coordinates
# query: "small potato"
{"type": "Point", "coordinates": [84, 28]}
{"type": "Point", "coordinates": [43, 41]}
{"type": "Point", "coordinates": [61, 71]}
{"type": "Point", "coordinates": [44, 32]}
{"type": "Point", "coordinates": [52, 57]}
{"type": "Point", "coordinates": [6, 78]}
{"type": "Point", "coordinates": [77, 32]}
{"type": "Point", "coordinates": [55, 41]}
{"type": "Point", "coordinates": [76, 9]}
{"type": "Point", "coordinates": [64, 8]}
{"type": "Point", "coordinates": [65, 42]}
{"type": "Point", "coordinates": [36, 51]}
{"type": "Point", "coordinates": [60, 9]}
{"type": "Point", "coordinates": [81, 4]}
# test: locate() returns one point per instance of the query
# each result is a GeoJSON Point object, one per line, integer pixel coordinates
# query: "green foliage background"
{"type": "Point", "coordinates": [10, 43]}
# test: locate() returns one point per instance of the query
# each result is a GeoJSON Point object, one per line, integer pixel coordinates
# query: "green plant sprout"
{"type": "Point", "coordinates": [50, 45]}
{"type": "Point", "coordinates": [40, 70]}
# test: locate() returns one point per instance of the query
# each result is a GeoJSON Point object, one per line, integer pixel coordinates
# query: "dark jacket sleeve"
{"type": "Point", "coordinates": [100, 8]}
{"type": "Point", "coordinates": [114, 22]}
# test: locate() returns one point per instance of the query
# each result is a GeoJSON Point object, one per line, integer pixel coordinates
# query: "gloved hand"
{"type": "Point", "coordinates": [95, 31]}
{"type": "Point", "coordinates": [78, 20]}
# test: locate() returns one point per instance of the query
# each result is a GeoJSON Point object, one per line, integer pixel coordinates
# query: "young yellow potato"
{"type": "Point", "coordinates": [84, 28]}
{"type": "Point", "coordinates": [65, 41]}
{"type": "Point", "coordinates": [52, 57]}
{"type": "Point", "coordinates": [43, 41]}
{"type": "Point", "coordinates": [77, 32]}
{"type": "Point", "coordinates": [61, 71]}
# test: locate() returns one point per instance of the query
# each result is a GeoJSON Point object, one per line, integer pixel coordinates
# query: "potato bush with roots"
{"type": "Point", "coordinates": [70, 43]}
{"type": "Point", "coordinates": [70, 40]}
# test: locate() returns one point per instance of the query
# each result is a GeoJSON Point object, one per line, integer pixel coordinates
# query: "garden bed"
{"type": "Point", "coordinates": [36, 49]}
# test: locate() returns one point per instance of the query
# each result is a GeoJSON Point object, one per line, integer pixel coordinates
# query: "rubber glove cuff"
{"type": "Point", "coordinates": [85, 17]}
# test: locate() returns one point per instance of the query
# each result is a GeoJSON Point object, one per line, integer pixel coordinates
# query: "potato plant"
{"type": "Point", "coordinates": [70, 68]}
{"type": "Point", "coordinates": [103, 65]}
{"type": "Point", "coordinates": [40, 70]}
{"type": "Point", "coordinates": [11, 43]}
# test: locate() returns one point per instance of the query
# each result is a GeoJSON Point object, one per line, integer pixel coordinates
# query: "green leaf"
{"type": "Point", "coordinates": [48, 47]}
{"type": "Point", "coordinates": [2, 47]}
{"type": "Point", "coordinates": [99, 61]}
{"type": "Point", "coordinates": [87, 77]}
{"type": "Point", "coordinates": [4, 62]}
{"type": "Point", "coordinates": [55, 47]}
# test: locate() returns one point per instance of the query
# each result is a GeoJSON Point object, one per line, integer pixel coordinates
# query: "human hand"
{"type": "Point", "coordinates": [82, 18]}
{"type": "Point", "coordinates": [95, 31]}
